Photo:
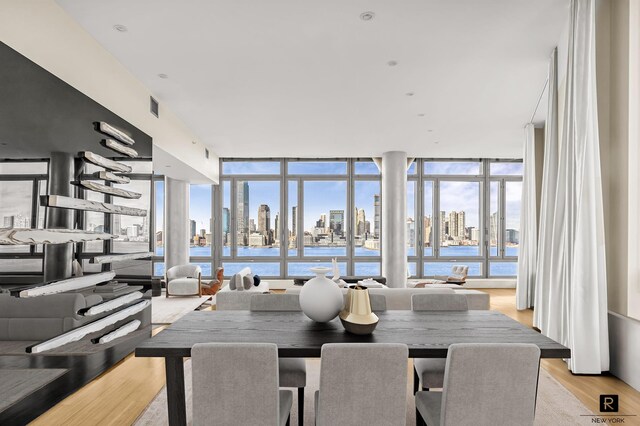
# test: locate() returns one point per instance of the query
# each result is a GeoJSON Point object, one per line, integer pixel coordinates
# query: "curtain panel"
{"type": "Point", "coordinates": [572, 304]}
{"type": "Point", "coordinates": [525, 286]}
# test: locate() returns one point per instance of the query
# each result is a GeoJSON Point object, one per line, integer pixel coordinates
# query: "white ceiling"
{"type": "Point", "coordinates": [301, 78]}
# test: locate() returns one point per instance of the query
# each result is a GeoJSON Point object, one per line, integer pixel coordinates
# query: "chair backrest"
{"type": "Point", "coordinates": [182, 271]}
{"type": "Point", "coordinates": [275, 302]}
{"type": "Point", "coordinates": [246, 394]}
{"type": "Point", "coordinates": [363, 384]}
{"type": "Point", "coordinates": [439, 302]}
{"type": "Point", "coordinates": [490, 384]}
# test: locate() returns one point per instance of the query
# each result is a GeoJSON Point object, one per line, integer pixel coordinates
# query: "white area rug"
{"type": "Point", "coordinates": [555, 406]}
{"type": "Point", "coordinates": [167, 310]}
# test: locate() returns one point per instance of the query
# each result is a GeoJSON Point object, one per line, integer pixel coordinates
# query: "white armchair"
{"type": "Point", "coordinates": [184, 280]}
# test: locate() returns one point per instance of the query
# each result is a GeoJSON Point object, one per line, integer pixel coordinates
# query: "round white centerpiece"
{"type": "Point", "coordinates": [320, 298]}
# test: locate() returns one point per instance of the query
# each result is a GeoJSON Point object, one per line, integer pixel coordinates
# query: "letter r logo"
{"type": "Point", "coordinates": [608, 403]}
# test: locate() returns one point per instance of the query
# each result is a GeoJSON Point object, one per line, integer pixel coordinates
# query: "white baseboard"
{"type": "Point", "coordinates": [624, 348]}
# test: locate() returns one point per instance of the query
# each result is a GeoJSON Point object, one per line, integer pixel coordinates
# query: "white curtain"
{"type": "Point", "coordinates": [546, 239]}
{"type": "Point", "coordinates": [576, 310]}
{"type": "Point", "coordinates": [528, 230]}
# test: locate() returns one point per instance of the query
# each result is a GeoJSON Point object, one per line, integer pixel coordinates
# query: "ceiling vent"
{"type": "Point", "coordinates": [155, 107]}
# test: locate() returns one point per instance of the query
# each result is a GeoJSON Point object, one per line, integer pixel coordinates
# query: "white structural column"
{"type": "Point", "coordinates": [176, 222]}
{"type": "Point", "coordinates": [394, 217]}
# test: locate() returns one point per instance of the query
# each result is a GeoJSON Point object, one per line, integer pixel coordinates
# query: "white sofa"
{"type": "Point", "coordinates": [397, 298]}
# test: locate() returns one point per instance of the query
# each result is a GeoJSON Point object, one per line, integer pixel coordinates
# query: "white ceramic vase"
{"type": "Point", "coordinates": [320, 298]}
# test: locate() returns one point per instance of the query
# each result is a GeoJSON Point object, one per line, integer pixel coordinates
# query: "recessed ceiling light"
{"type": "Point", "coordinates": [392, 63]}
{"type": "Point", "coordinates": [167, 166]}
{"type": "Point", "coordinates": [193, 142]}
{"type": "Point", "coordinates": [120, 28]}
{"type": "Point", "coordinates": [430, 130]}
{"type": "Point", "coordinates": [436, 142]}
{"type": "Point", "coordinates": [409, 93]}
{"type": "Point", "coordinates": [421, 115]}
{"type": "Point", "coordinates": [163, 76]}
{"type": "Point", "coordinates": [367, 16]}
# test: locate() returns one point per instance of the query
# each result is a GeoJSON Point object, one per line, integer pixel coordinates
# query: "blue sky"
{"type": "Point", "coordinates": [320, 197]}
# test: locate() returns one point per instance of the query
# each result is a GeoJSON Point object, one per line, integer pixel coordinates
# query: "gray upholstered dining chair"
{"type": "Point", "coordinates": [362, 384]}
{"type": "Point", "coordinates": [485, 384]}
{"type": "Point", "coordinates": [293, 371]}
{"type": "Point", "coordinates": [248, 395]}
{"type": "Point", "coordinates": [429, 372]}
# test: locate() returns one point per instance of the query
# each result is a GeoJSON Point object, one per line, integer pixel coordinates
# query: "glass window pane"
{"type": "Point", "coordinates": [258, 218]}
{"type": "Point", "coordinates": [226, 218]}
{"type": "Point", "coordinates": [251, 167]}
{"type": "Point", "coordinates": [411, 266]}
{"type": "Point", "coordinates": [302, 269]}
{"type": "Point", "coordinates": [23, 168]}
{"type": "Point", "coordinates": [206, 268]}
{"type": "Point", "coordinates": [366, 269]}
{"type": "Point", "coordinates": [317, 168]}
{"type": "Point", "coordinates": [412, 169]}
{"type": "Point", "coordinates": [325, 225]}
{"type": "Point", "coordinates": [200, 236]}
{"type": "Point", "coordinates": [513, 198]}
{"type": "Point", "coordinates": [453, 168]}
{"type": "Point", "coordinates": [411, 218]}
{"type": "Point", "coordinates": [503, 269]}
{"type": "Point", "coordinates": [292, 232]}
{"type": "Point", "coordinates": [132, 231]}
{"type": "Point", "coordinates": [159, 231]}
{"type": "Point", "coordinates": [264, 269]}
{"type": "Point", "coordinates": [21, 265]}
{"type": "Point", "coordinates": [95, 221]}
{"type": "Point", "coordinates": [506, 169]}
{"type": "Point", "coordinates": [367, 218]}
{"type": "Point", "coordinates": [459, 218]}
{"type": "Point", "coordinates": [366, 168]}
{"type": "Point", "coordinates": [15, 209]}
{"type": "Point", "coordinates": [158, 269]}
{"type": "Point", "coordinates": [443, 269]}
{"type": "Point", "coordinates": [494, 220]}
{"type": "Point", "coordinates": [427, 220]}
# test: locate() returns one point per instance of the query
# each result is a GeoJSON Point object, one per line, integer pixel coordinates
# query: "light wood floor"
{"type": "Point", "coordinates": [119, 395]}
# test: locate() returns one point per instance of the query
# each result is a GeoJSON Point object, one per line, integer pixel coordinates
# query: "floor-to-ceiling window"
{"type": "Point", "coordinates": [21, 184]}
{"type": "Point", "coordinates": [134, 234]}
{"type": "Point", "coordinates": [282, 217]}
{"type": "Point", "coordinates": [463, 212]}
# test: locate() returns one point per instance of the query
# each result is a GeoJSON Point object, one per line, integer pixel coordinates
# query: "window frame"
{"type": "Point", "coordinates": [35, 179]}
{"type": "Point", "coordinates": [284, 178]}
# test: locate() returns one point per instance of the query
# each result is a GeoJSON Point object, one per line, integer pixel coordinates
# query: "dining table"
{"type": "Point", "coordinates": [427, 334]}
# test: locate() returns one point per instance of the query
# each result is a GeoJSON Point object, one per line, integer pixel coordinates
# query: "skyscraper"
{"type": "Point", "coordinates": [226, 216]}
{"type": "Point", "coordinates": [493, 229]}
{"type": "Point", "coordinates": [443, 227]}
{"type": "Point", "coordinates": [276, 226]}
{"type": "Point", "coordinates": [376, 215]}
{"type": "Point", "coordinates": [242, 212]}
{"type": "Point", "coordinates": [294, 220]}
{"type": "Point", "coordinates": [336, 221]}
{"type": "Point", "coordinates": [117, 224]}
{"type": "Point", "coordinates": [360, 222]}
{"type": "Point", "coordinates": [192, 228]}
{"type": "Point", "coordinates": [264, 221]}
{"type": "Point", "coordinates": [427, 231]}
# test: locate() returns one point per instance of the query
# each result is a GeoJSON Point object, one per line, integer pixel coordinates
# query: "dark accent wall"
{"type": "Point", "coordinates": [40, 114]}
